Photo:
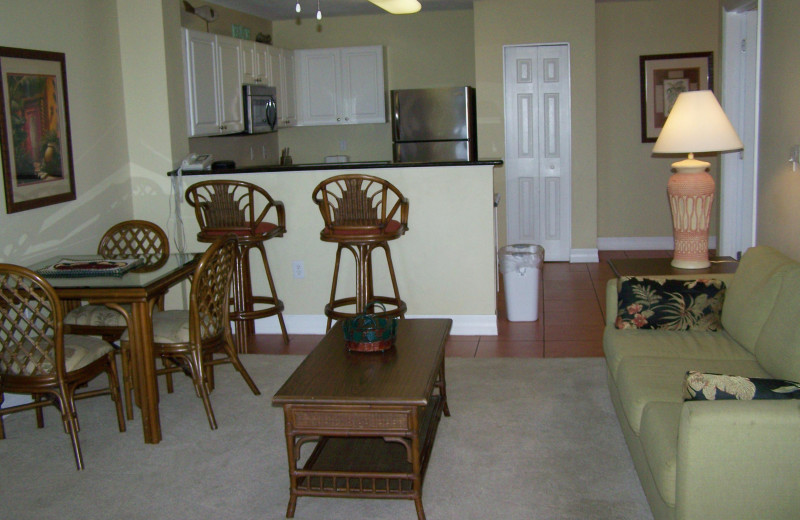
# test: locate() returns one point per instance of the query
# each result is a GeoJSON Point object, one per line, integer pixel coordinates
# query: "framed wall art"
{"type": "Point", "coordinates": [34, 129]}
{"type": "Point", "coordinates": [662, 78]}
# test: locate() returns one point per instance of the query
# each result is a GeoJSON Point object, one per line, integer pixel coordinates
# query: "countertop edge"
{"type": "Point", "coordinates": [334, 166]}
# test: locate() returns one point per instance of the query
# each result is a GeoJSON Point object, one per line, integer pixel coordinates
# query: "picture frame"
{"type": "Point", "coordinates": [662, 78]}
{"type": "Point", "coordinates": [35, 140]}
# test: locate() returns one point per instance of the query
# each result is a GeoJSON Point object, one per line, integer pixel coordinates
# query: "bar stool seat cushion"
{"type": "Point", "coordinates": [262, 229]}
{"type": "Point", "coordinates": [96, 315]}
{"type": "Point", "coordinates": [392, 228]}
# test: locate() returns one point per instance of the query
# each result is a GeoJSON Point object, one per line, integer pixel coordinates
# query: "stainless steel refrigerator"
{"type": "Point", "coordinates": [433, 125]}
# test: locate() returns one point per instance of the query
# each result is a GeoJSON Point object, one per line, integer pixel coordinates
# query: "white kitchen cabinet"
{"type": "Point", "coordinates": [287, 108]}
{"type": "Point", "coordinates": [256, 67]}
{"type": "Point", "coordinates": [282, 78]}
{"type": "Point", "coordinates": [340, 86]}
{"type": "Point", "coordinates": [213, 82]}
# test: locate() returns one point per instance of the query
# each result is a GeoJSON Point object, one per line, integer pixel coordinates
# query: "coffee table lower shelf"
{"type": "Point", "coordinates": [368, 466]}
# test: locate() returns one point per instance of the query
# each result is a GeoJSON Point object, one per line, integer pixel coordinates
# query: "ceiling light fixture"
{"type": "Point", "coordinates": [297, 7]}
{"type": "Point", "coordinates": [398, 6]}
{"type": "Point", "coordinates": [319, 13]}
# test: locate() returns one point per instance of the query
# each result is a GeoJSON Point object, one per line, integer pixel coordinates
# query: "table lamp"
{"type": "Point", "coordinates": [696, 123]}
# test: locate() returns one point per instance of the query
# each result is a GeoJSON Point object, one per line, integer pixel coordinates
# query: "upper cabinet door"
{"type": "Point", "coordinates": [200, 81]}
{"type": "Point", "coordinates": [230, 84]}
{"type": "Point", "coordinates": [319, 87]}
{"type": "Point", "coordinates": [288, 106]}
{"type": "Point", "coordinates": [250, 64]}
{"type": "Point", "coordinates": [362, 85]}
{"type": "Point", "coordinates": [340, 86]}
{"type": "Point", "coordinates": [213, 82]}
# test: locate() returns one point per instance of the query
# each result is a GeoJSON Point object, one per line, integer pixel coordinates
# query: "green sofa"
{"type": "Point", "coordinates": [719, 459]}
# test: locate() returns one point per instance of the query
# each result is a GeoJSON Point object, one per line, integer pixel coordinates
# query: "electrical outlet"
{"type": "Point", "coordinates": [343, 145]}
{"type": "Point", "coordinates": [252, 154]}
{"type": "Point", "coordinates": [298, 269]}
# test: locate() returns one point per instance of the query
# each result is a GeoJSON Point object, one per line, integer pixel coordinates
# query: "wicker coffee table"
{"type": "Point", "coordinates": [373, 416]}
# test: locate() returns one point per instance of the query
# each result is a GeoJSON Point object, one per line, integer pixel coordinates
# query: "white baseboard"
{"type": "Point", "coordinates": [583, 256]}
{"type": "Point", "coordinates": [463, 325]}
{"type": "Point", "coordinates": [640, 243]}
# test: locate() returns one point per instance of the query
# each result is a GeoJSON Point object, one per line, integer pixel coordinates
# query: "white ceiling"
{"type": "Point", "coordinates": [284, 9]}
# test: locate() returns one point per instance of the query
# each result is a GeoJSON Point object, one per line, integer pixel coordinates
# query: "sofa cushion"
{"type": "Point", "coordinates": [778, 345]}
{"type": "Point", "coordinates": [659, 438]}
{"type": "Point", "coordinates": [661, 303]}
{"type": "Point", "coordinates": [622, 343]}
{"type": "Point", "coordinates": [643, 380]}
{"type": "Point", "coordinates": [749, 297]}
{"type": "Point", "coordinates": [700, 386]}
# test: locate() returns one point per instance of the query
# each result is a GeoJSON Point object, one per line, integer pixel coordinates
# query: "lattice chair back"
{"type": "Point", "coordinates": [232, 207]}
{"type": "Point", "coordinates": [360, 204]}
{"type": "Point", "coordinates": [31, 342]}
{"type": "Point", "coordinates": [208, 308]}
{"type": "Point", "coordinates": [136, 238]}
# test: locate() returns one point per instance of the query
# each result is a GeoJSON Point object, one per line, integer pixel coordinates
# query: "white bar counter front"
{"type": "Point", "coordinates": [445, 263]}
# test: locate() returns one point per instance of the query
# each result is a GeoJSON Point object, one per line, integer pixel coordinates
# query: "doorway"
{"type": "Point", "coordinates": [741, 47]}
{"type": "Point", "coordinates": [538, 147]}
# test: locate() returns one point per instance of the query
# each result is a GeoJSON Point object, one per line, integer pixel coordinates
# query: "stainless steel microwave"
{"type": "Point", "coordinates": [260, 109]}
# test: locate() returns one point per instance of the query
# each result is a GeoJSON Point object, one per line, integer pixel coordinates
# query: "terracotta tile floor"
{"type": "Point", "coordinates": [570, 323]}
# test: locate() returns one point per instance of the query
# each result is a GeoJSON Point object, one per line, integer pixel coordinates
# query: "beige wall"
{"type": "Point", "coordinates": [779, 186]}
{"type": "Point", "coordinates": [631, 183]}
{"type": "Point", "coordinates": [86, 31]}
{"type": "Point", "coordinates": [433, 49]}
{"type": "Point", "coordinates": [508, 22]}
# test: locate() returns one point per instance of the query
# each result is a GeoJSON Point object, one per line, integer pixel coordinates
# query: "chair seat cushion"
{"type": "Point", "coordinates": [264, 228]}
{"type": "Point", "coordinates": [79, 351]}
{"type": "Point", "coordinates": [169, 327]}
{"type": "Point", "coordinates": [96, 316]}
{"type": "Point", "coordinates": [393, 227]}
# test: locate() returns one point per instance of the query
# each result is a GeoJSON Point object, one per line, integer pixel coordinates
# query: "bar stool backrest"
{"type": "Point", "coordinates": [360, 202]}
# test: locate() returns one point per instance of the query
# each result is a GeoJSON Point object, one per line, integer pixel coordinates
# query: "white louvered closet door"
{"type": "Point", "coordinates": [538, 154]}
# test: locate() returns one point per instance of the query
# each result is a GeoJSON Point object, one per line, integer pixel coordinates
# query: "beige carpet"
{"type": "Point", "coordinates": [527, 439]}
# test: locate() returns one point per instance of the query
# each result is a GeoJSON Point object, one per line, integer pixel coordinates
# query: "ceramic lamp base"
{"type": "Point", "coordinates": [691, 195]}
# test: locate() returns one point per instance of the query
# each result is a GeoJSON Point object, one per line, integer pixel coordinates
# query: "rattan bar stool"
{"type": "Point", "coordinates": [360, 214]}
{"type": "Point", "coordinates": [239, 207]}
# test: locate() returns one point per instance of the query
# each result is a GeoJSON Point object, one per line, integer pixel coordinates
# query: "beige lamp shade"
{"type": "Point", "coordinates": [697, 123]}
{"type": "Point", "coordinates": [398, 6]}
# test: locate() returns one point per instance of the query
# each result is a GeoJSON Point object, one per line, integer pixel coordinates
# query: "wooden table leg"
{"type": "Point", "coordinates": [144, 370]}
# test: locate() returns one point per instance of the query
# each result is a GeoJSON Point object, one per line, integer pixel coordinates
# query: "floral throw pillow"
{"type": "Point", "coordinates": [669, 304]}
{"type": "Point", "coordinates": [699, 386]}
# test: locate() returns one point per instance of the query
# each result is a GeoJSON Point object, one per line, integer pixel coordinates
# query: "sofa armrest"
{"type": "Point", "coordinates": [738, 459]}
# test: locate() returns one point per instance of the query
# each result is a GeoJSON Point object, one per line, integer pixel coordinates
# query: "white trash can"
{"type": "Point", "coordinates": [521, 265]}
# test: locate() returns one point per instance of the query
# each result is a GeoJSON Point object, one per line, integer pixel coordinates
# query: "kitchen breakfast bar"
{"type": "Point", "coordinates": [445, 263]}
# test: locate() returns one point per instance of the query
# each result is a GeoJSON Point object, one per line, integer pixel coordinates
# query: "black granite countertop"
{"type": "Point", "coordinates": [266, 168]}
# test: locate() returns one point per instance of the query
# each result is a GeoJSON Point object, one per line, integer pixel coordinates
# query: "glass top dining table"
{"type": "Point", "coordinates": [139, 289]}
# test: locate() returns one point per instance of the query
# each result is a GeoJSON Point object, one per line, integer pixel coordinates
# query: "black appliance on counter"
{"type": "Point", "coordinates": [436, 124]}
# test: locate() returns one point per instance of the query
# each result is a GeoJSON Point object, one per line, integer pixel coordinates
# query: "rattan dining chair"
{"type": "Point", "coordinates": [37, 358]}
{"type": "Point", "coordinates": [361, 213]}
{"type": "Point", "coordinates": [128, 239]}
{"type": "Point", "coordinates": [190, 339]}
